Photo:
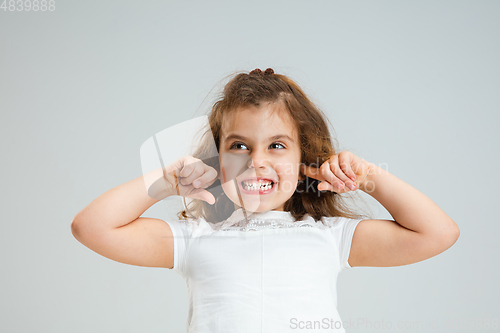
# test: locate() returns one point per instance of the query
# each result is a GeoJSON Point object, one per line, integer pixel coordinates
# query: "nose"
{"type": "Point", "coordinates": [256, 161]}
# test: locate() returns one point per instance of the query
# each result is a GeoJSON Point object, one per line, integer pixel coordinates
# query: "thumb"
{"type": "Point", "coordinates": [204, 195]}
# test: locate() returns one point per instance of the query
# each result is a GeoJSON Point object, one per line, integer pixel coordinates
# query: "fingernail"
{"type": "Point", "coordinates": [352, 186]}
{"type": "Point", "coordinates": [196, 183]}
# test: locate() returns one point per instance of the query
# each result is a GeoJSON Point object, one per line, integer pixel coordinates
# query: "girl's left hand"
{"type": "Point", "coordinates": [341, 173]}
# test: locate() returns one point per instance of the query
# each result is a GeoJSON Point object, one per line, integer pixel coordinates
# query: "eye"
{"type": "Point", "coordinates": [236, 144]}
{"type": "Point", "coordinates": [277, 143]}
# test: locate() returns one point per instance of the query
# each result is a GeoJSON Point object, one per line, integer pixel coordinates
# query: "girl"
{"type": "Point", "coordinates": [261, 249]}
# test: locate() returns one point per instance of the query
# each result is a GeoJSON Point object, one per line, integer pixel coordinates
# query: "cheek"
{"type": "Point", "coordinates": [288, 173]}
{"type": "Point", "coordinates": [229, 189]}
{"type": "Point", "coordinates": [287, 170]}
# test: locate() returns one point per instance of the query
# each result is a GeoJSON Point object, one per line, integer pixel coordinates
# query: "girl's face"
{"type": "Point", "coordinates": [259, 153]}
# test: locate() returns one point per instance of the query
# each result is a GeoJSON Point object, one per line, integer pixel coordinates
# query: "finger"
{"type": "Point", "coordinates": [345, 162]}
{"type": "Point", "coordinates": [207, 179]}
{"type": "Point", "coordinates": [325, 186]}
{"type": "Point", "coordinates": [179, 164]}
{"type": "Point", "coordinates": [194, 170]}
{"type": "Point", "coordinates": [335, 165]}
{"type": "Point", "coordinates": [187, 168]}
{"type": "Point", "coordinates": [311, 172]}
{"type": "Point", "coordinates": [202, 194]}
{"type": "Point", "coordinates": [173, 171]}
{"type": "Point", "coordinates": [179, 169]}
{"type": "Point", "coordinates": [349, 176]}
{"type": "Point", "coordinates": [327, 172]}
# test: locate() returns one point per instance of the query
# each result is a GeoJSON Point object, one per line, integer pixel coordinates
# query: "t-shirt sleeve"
{"type": "Point", "coordinates": [181, 232]}
{"type": "Point", "coordinates": [342, 229]}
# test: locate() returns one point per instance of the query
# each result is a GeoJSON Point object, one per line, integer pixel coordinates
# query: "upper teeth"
{"type": "Point", "coordinates": [262, 185]}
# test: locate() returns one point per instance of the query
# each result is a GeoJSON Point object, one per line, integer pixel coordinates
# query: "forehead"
{"type": "Point", "coordinates": [259, 121]}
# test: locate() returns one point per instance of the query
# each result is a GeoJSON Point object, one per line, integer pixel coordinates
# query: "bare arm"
{"type": "Point", "coordinates": [408, 206]}
{"type": "Point", "coordinates": [118, 206]}
{"type": "Point", "coordinates": [420, 229]}
{"type": "Point", "coordinates": [111, 224]}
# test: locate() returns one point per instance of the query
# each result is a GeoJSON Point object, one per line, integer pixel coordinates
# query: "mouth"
{"type": "Point", "coordinates": [257, 185]}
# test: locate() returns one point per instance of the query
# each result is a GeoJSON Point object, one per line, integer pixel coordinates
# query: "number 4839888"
{"type": "Point", "coordinates": [28, 5]}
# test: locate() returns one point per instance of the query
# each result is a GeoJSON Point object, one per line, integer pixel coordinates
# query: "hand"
{"type": "Point", "coordinates": [188, 176]}
{"type": "Point", "coordinates": [341, 173]}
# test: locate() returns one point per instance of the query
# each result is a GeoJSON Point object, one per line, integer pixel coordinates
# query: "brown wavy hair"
{"type": "Point", "coordinates": [317, 145]}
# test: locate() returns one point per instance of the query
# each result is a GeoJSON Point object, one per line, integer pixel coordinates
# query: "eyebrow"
{"type": "Point", "coordinates": [239, 137]}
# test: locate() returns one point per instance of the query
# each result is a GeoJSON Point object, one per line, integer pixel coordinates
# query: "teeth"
{"type": "Point", "coordinates": [257, 186]}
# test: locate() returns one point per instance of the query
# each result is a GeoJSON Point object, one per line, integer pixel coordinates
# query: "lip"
{"type": "Point", "coordinates": [256, 179]}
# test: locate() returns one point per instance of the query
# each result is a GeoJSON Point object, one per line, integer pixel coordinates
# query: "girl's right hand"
{"type": "Point", "coordinates": [189, 176]}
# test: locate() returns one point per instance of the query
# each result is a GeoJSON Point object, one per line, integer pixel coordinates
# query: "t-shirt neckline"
{"type": "Point", "coordinates": [239, 215]}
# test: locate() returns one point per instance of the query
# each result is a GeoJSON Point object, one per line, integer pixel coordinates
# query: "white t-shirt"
{"type": "Point", "coordinates": [268, 274]}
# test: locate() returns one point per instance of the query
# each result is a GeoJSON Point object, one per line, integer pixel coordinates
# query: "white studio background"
{"type": "Point", "coordinates": [411, 85]}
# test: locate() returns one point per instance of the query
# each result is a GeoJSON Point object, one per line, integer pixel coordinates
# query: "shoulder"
{"type": "Point", "coordinates": [336, 221]}
{"type": "Point", "coordinates": [185, 226]}
{"type": "Point", "coordinates": [335, 224]}
{"type": "Point", "coordinates": [195, 227]}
